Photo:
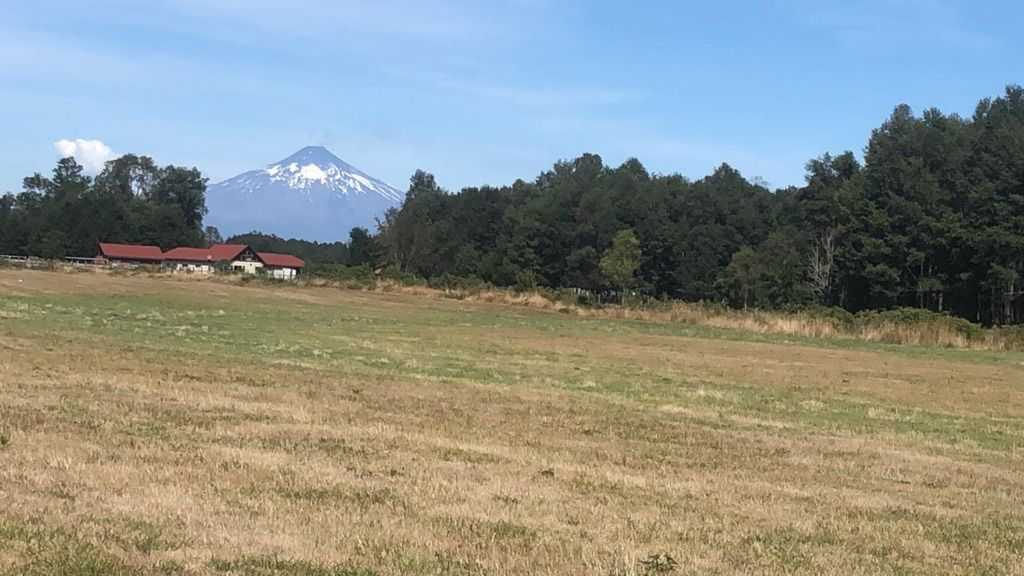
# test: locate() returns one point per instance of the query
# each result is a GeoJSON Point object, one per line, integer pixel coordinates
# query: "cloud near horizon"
{"type": "Point", "coordinates": [91, 154]}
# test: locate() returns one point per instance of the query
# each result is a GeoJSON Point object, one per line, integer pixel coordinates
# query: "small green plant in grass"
{"type": "Point", "coordinates": [277, 566]}
{"type": "Point", "coordinates": [169, 568]}
{"type": "Point", "coordinates": [5, 439]}
{"type": "Point", "coordinates": [657, 564]}
{"type": "Point", "coordinates": [63, 553]}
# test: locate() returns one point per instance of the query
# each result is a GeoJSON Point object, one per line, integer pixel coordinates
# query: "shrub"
{"type": "Point", "coordinates": [1009, 338]}
{"type": "Point", "coordinates": [918, 326]}
{"type": "Point", "coordinates": [526, 281]}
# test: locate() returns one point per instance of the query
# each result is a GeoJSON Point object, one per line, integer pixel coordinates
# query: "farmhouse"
{"type": "Point", "coordinates": [130, 254]}
{"type": "Point", "coordinates": [183, 259]}
{"type": "Point", "coordinates": [233, 257]}
{"type": "Point", "coordinates": [219, 257]}
{"type": "Point", "coordinates": [281, 266]}
{"type": "Point", "coordinates": [238, 257]}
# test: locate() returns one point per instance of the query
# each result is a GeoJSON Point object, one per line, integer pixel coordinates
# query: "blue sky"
{"type": "Point", "coordinates": [484, 92]}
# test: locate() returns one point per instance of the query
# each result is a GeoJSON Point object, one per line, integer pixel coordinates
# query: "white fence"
{"type": "Point", "coordinates": [33, 262]}
{"type": "Point", "coordinates": [81, 262]}
{"type": "Point", "coordinates": [25, 261]}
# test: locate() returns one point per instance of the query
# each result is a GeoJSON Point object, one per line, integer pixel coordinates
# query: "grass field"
{"type": "Point", "coordinates": [157, 426]}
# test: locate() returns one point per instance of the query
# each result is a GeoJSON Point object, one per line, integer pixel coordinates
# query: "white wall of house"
{"type": "Point", "coordinates": [282, 273]}
{"type": "Point", "coordinates": [246, 266]}
{"type": "Point", "coordinates": [192, 268]}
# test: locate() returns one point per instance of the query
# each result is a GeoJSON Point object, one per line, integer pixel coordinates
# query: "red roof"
{"type": "Point", "coordinates": [280, 260]}
{"type": "Point", "coordinates": [227, 252]}
{"type": "Point", "coordinates": [130, 252]}
{"type": "Point", "coordinates": [189, 255]}
{"type": "Point", "coordinates": [215, 253]}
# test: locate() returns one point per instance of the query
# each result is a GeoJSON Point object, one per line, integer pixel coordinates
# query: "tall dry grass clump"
{"type": "Point", "coordinates": [905, 326]}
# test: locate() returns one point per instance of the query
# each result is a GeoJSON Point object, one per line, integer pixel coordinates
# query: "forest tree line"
{"type": "Point", "coordinates": [360, 250]}
{"type": "Point", "coordinates": [132, 201]}
{"type": "Point", "coordinates": [933, 218]}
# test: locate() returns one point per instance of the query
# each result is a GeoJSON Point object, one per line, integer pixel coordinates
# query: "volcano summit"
{"type": "Point", "coordinates": [312, 194]}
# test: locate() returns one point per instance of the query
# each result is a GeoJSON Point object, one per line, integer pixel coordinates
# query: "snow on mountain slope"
{"type": "Point", "coordinates": [312, 194]}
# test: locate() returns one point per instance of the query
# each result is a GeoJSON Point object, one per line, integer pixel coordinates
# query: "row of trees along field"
{"type": "Point", "coordinates": [360, 250]}
{"type": "Point", "coordinates": [932, 218]}
{"type": "Point", "coordinates": [131, 200]}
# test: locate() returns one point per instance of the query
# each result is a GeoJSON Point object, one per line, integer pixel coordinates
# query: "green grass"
{"type": "Point", "coordinates": [59, 553]}
{"type": "Point", "coordinates": [274, 566]}
{"type": "Point", "coordinates": [369, 343]}
{"type": "Point", "coordinates": [505, 436]}
{"type": "Point", "coordinates": [232, 327]}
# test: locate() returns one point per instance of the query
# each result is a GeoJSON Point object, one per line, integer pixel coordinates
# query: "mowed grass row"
{"type": "Point", "coordinates": [152, 426]}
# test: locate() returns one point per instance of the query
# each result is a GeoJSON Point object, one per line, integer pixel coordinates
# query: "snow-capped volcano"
{"type": "Point", "coordinates": [315, 165]}
{"type": "Point", "coordinates": [312, 194]}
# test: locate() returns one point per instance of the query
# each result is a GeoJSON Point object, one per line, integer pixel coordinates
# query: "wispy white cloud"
{"type": "Point", "coordinates": [91, 154]}
{"type": "Point", "coordinates": [356, 19]}
{"type": "Point", "coordinates": [697, 157]}
{"type": "Point", "coordinates": [861, 25]}
{"type": "Point", "coordinates": [43, 55]}
{"type": "Point", "coordinates": [540, 98]}
{"type": "Point", "coordinates": [690, 152]}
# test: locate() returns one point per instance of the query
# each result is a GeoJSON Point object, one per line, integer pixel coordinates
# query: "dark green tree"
{"type": "Point", "coordinates": [211, 236]}
{"type": "Point", "coordinates": [362, 248]}
{"type": "Point", "coordinates": [620, 262]}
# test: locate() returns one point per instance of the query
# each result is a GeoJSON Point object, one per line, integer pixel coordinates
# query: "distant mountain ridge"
{"type": "Point", "coordinates": [312, 195]}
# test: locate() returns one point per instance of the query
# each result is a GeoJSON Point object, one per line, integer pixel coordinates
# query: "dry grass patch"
{"type": "Point", "coordinates": [351, 433]}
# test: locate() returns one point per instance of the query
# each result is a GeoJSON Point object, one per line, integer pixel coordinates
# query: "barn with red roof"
{"type": "Point", "coordinates": [186, 259]}
{"type": "Point", "coordinates": [233, 257]}
{"type": "Point", "coordinates": [281, 266]}
{"type": "Point", "coordinates": [134, 254]}
{"type": "Point", "coordinates": [219, 257]}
